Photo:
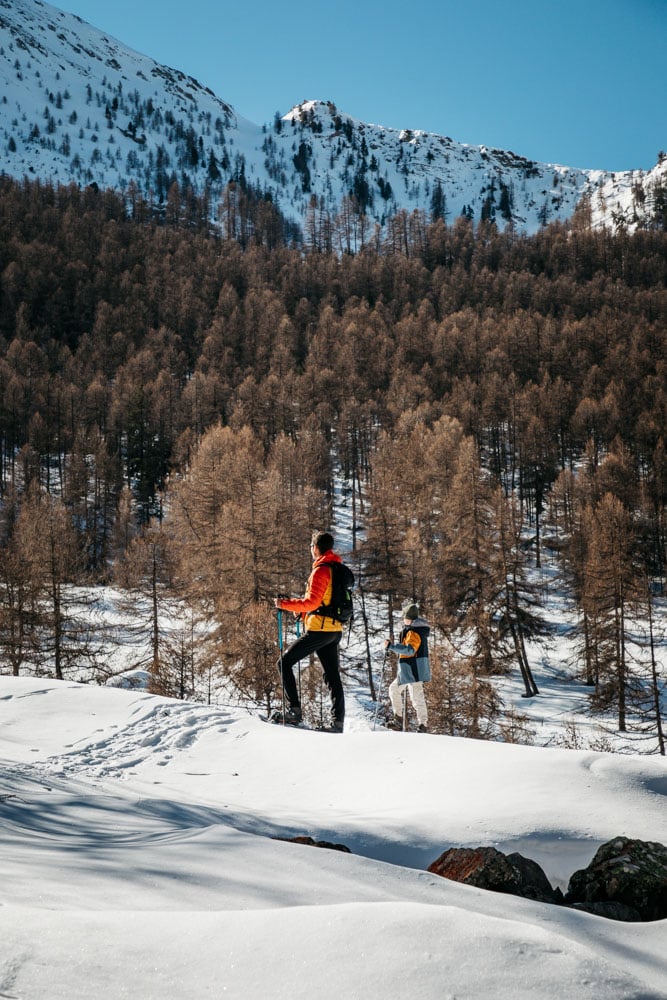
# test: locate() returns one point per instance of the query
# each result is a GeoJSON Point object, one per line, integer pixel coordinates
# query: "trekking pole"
{"type": "Point", "coordinates": [280, 657]}
{"type": "Point", "coordinates": [298, 635]}
{"type": "Point", "coordinates": [378, 696]}
{"type": "Point", "coordinates": [404, 695]}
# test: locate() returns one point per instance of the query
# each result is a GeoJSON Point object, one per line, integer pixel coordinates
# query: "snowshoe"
{"type": "Point", "coordinates": [291, 717]}
{"type": "Point", "coordinates": [333, 727]}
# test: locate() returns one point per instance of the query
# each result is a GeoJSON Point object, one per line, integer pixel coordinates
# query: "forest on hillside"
{"type": "Point", "coordinates": [177, 409]}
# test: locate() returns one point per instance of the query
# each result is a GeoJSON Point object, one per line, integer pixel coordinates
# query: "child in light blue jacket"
{"type": "Point", "coordinates": [413, 667]}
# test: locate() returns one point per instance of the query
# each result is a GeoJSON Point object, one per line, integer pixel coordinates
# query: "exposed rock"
{"type": "Point", "coordinates": [315, 843]}
{"type": "Point", "coordinates": [535, 883]}
{"type": "Point", "coordinates": [612, 911]}
{"type": "Point", "coordinates": [628, 872]}
{"type": "Point", "coordinates": [487, 868]}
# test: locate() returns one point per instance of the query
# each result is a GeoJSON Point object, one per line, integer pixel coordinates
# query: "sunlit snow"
{"type": "Point", "coordinates": [139, 859]}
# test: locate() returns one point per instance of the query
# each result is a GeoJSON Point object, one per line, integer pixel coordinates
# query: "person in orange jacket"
{"type": "Point", "coordinates": [322, 635]}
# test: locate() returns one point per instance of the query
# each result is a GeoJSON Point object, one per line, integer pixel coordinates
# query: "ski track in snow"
{"type": "Point", "coordinates": [159, 734]}
{"type": "Point", "coordinates": [149, 889]}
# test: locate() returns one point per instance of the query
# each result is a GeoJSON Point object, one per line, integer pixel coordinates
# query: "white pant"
{"type": "Point", "coordinates": [416, 692]}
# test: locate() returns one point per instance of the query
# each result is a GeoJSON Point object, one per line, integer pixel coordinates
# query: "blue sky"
{"type": "Point", "coordinates": [576, 82]}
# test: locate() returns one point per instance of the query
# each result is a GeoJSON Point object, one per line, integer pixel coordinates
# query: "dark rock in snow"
{"type": "Point", "coordinates": [487, 868]}
{"type": "Point", "coordinates": [612, 911]}
{"type": "Point", "coordinates": [315, 843]}
{"type": "Point", "coordinates": [626, 880]}
{"type": "Point", "coordinates": [625, 872]}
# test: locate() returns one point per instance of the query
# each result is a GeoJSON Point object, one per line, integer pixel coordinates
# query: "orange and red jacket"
{"type": "Point", "coordinates": [318, 593]}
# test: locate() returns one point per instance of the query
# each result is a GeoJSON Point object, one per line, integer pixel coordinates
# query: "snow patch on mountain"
{"type": "Point", "coordinates": [80, 106]}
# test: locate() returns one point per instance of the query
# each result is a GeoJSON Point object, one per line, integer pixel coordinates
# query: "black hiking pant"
{"type": "Point", "coordinates": [325, 644]}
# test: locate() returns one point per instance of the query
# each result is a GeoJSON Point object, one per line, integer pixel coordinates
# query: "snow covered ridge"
{"type": "Point", "coordinates": [80, 106]}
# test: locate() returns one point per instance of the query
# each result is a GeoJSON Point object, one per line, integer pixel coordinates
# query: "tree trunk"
{"type": "Point", "coordinates": [369, 657]}
{"type": "Point", "coordinates": [655, 685]}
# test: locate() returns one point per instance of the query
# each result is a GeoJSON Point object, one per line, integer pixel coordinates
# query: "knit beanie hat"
{"type": "Point", "coordinates": [410, 611]}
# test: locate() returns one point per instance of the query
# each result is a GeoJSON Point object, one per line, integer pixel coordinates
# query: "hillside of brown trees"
{"type": "Point", "coordinates": [177, 409]}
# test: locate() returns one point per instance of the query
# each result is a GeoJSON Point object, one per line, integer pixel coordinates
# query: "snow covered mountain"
{"type": "Point", "coordinates": [80, 106]}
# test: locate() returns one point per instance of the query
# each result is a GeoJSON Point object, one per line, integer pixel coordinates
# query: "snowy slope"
{"type": "Point", "coordinates": [138, 859]}
{"type": "Point", "coordinates": [77, 100]}
{"type": "Point", "coordinates": [80, 106]}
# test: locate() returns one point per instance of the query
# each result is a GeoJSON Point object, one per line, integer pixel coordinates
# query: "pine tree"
{"type": "Point", "coordinates": [656, 684]}
{"type": "Point", "coordinates": [520, 618]}
{"type": "Point", "coordinates": [252, 658]}
{"type": "Point", "coordinates": [460, 703]}
{"type": "Point", "coordinates": [18, 613]}
{"type": "Point", "coordinates": [468, 569]}
{"type": "Point", "coordinates": [51, 550]}
{"type": "Point", "coordinates": [146, 573]}
{"type": "Point", "coordinates": [241, 527]}
{"type": "Point", "coordinates": [438, 203]}
{"type": "Point", "coordinates": [610, 587]}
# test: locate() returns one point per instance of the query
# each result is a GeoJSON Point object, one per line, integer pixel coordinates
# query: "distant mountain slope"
{"type": "Point", "coordinates": [80, 106]}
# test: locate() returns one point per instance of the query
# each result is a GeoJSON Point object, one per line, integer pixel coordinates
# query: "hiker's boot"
{"type": "Point", "coordinates": [333, 727]}
{"type": "Point", "coordinates": [396, 722]}
{"type": "Point", "coordinates": [291, 717]}
{"type": "Point", "coordinates": [421, 728]}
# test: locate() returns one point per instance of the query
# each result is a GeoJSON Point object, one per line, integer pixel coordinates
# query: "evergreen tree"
{"type": "Point", "coordinates": [18, 611]}
{"type": "Point", "coordinates": [146, 573]}
{"type": "Point", "coordinates": [50, 548]}
{"type": "Point", "coordinates": [468, 569]}
{"type": "Point", "coordinates": [438, 202]}
{"type": "Point", "coordinates": [610, 587]}
{"type": "Point", "coordinates": [520, 618]}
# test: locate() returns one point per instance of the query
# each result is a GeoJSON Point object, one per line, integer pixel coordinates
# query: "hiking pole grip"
{"type": "Point", "coordinates": [298, 635]}
{"type": "Point", "coordinates": [280, 629]}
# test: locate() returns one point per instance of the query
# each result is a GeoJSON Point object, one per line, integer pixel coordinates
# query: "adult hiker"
{"type": "Point", "coordinates": [413, 668]}
{"type": "Point", "coordinates": [322, 635]}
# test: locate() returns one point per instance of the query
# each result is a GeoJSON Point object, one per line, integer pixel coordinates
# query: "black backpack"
{"type": "Point", "coordinates": [340, 607]}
